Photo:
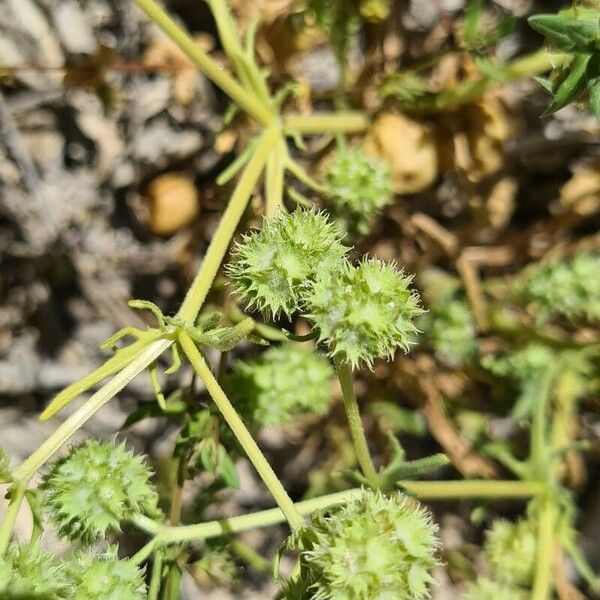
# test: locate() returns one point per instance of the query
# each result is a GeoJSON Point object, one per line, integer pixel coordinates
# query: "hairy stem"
{"type": "Point", "coordinates": [156, 577]}
{"type": "Point", "coordinates": [425, 490]}
{"type": "Point", "coordinates": [108, 391]}
{"type": "Point", "coordinates": [241, 432]}
{"type": "Point", "coordinates": [339, 122]}
{"type": "Point", "coordinates": [229, 221]}
{"type": "Point", "coordinates": [355, 423]}
{"type": "Point", "coordinates": [243, 98]}
{"type": "Point", "coordinates": [542, 583]}
{"type": "Point", "coordinates": [16, 499]}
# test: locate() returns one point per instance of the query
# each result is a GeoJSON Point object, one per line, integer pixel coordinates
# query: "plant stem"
{"type": "Point", "coordinates": [156, 577]}
{"type": "Point", "coordinates": [229, 221]}
{"type": "Point", "coordinates": [425, 490]}
{"type": "Point", "coordinates": [16, 499]}
{"type": "Point", "coordinates": [526, 66]}
{"type": "Point", "coordinates": [143, 553]}
{"type": "Point", "coordinates": [339, 122]}
{"type": "Point", "coordinates": [146, 356]}
{"type": "Point", "coordinates": [220, 77]}
{"type": "Point", "coordinates": [355, 423]}
{"type": "Point", "coordinates": [241, 432]}
{"type": "Point", "coordinates": [542, 583]}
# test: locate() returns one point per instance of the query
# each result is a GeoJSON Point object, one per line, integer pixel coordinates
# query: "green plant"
{"type": "Point", "coordinates": [373, 547]}
{"type": "Point", "coordinates": [365, 543]}
{"type": "Point", "coordinates": [266, 392]}
{"type": "Point", "coordinates": [488, 589]}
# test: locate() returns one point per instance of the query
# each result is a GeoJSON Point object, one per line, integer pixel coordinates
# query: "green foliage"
{"type": "Point", "coordinates": [27, 572]}
{"type": "Point", "coordinates": [5, 474]}
{"type": "Point", "coordinates": [359, 187]}
{"type": "Point", "coordinates": [521, 365]}
{"type": "Point", "coordinates": [576, 32]}
{"type": "Point", "coordinates": [272, 267]}
{"type": "Point", "coordinates": [364, 312]}
{"type": "Point", "coordinates": [283, 382]}
{"type": "Point", "coordinates": [95, 487]}
{"type": "Point", "coordinates": [567, 288]}
{"type": "Point", "coordinates": [450, 328]}
{"type": "Point", "coordinates": [105, 577]}
{"type": "Point", "coordinates": [374, 547]}
{"type": "Point", "coordinates": [488, 589]}
{"type": "Point", "coordinates": [510, 549]}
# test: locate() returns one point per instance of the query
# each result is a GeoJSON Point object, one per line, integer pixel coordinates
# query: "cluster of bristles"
{"type": "Point", "coordinates": [510, 551]}
{"type": "Point", "coordinates": [92, 490]}
{"type": "Point", "coordinates": [372, 548]}
{"type": "Point", "coordinates": [297, 264]}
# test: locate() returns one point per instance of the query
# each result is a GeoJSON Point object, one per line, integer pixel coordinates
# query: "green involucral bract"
{"type": "Point", "coordinates": [27, 572]}
{"type": "Point", "coordinates": [569, 288]}
{"type": "Point", "coordinates": [105, 577]}
{"type": "Point", "coordinates": [450, 328]}
{"type": "Point", "coordinates": [373, 548]}
{"type": "Point", "coordinates": [95, 487]}
{"type": "Point", "coordinates": [360, 188]}
{"type": "Point", "coordinates": [281, 383]}
{"type": "Point", "coordinates": [273, 266]}
{"type": "Point", "coordinates": [510, 549]}
{"type": "Point", "coordinates": [364, 312]}
{"type": "Point", "coordinates": [488, 589]}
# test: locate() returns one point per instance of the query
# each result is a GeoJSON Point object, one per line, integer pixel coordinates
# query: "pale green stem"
{"type": "Point", "coordinates": [355, 423]}
{"type": "Point", "coordinates": [424, 490]}
{"type": "Point", "coordinates": [319, 123]}
{"type": "Point", "coordinates": [64, 432]}
{"type": "Point", "coordinates": [241, 432]}
{"type": "Point", "coordinates": [542, 582]}
{"type": "Point", "coordinates": [156, 577]}
{"type": "Point", "coordinates": [144, 552]}
{"type": "Point", "coordinates": [527, 66]}
{"type": "Point", "coordinates": [16, 499]}
{"type": "Point", "coordinates": [205, 63]}
{"type": "Point", "coordinates": [229, 221]}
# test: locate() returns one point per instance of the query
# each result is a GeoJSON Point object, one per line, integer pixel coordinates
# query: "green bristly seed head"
{"type": "Point", "coordinates": [569, 288]}
{"type": "Point", "coordinates": [488, 589]}
{"type": "Point", "coordinates": [105, 577]}
{"type": "Point", "coordinates": [521, 365]}
{"type": "Point", "coordinates": [450, 328]}
{"type": "Point", "coordinates": [364, 312]}
{"type": "Point", "coordinates": [29, 572]}
{"type": "Point", "coordinates": [96, 487]}
{"type": "Point", "coordinates": [281, 383]}
{"type": "Point", "coordinates": [373, 548]}
{"type": "Point", "coordinates": [510, 549]}
{"type": "Point", "coordinates": [360, 188]}
{"type": "Point", "coordinates": [273, 266]}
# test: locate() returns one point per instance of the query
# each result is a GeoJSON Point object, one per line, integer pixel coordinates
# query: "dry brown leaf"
{"type": "Point", "coordinates": [163, 54]}
{"type": "Point", "coordinates": [581, 194]}
{"type": "Point", "coordinates": [408, 146]}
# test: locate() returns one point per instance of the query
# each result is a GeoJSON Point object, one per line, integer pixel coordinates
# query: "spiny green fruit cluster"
{"type": "Point", "coordinates": [95, 487]}
{"type": "Point", "coordinates": [360, 188]}
{"type": "Point", "coordinates": [567, 288]}
{"type": "Point", "coordinates": [361, 312]}
{"type": "Point", "coordinates": [373, 548]}
{"type": "Point", "coordinates": [522, 365]}
{"type": "Point", "coordinates": [29, 573]}
{"type": "Point", "coordinates": [450, 328]}
{"type": "Point", "coordinates": [364, 312]}
{"type": "Point", "coordinates": [105, 577]}
{"type": "Point", "coordinates": [488, 589]}
{"type": "Point", "coordinates": [272, 267]}
{"type": "Point", "coordinates": [510, 549]}
{"type": "Point", "coordinates": [283, 382]}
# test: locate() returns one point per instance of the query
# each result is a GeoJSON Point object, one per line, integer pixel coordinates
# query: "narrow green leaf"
{"type": "Point", "coordinates": [573, 86]}
{"type": "Point", "coordinates": [595, 98]}
{"type": "Point", "coordinates": [568, 33]}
